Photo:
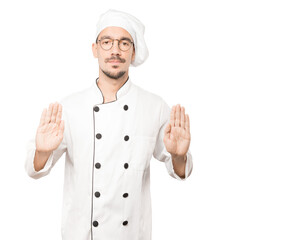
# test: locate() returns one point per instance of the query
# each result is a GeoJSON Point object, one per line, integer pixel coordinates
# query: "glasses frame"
{"type": "Point", "coordinates": [119, 40]}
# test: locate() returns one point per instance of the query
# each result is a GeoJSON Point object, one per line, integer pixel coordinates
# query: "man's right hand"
{"type": "Point", "coordinates": [50, 130]}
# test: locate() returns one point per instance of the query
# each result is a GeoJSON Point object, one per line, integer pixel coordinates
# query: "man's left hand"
{"type": "Point", "coordinates": [177, 133]}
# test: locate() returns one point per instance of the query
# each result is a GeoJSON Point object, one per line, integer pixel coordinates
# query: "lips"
{"type": "Point", "coordinates": [114, 61]}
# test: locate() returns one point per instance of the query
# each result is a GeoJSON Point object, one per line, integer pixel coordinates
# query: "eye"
{"type": "Point", "coordinates": [106, 41]}
{"type": "Point", "coordinates": [125, 43]}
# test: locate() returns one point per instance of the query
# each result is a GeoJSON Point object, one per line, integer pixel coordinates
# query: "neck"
{"type": "Point", "coordinates": [110, 86]}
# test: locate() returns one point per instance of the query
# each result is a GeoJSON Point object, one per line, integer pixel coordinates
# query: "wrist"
{"type": "Point", "coordinates": [181, 158]}
{"type": "Point", "coordinates": [43, 153]}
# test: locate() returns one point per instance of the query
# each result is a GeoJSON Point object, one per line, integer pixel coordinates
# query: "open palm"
{"type": "Point", "coordinates": [177, 132]}
{"type": "Point", "coordinates": [50, 130]}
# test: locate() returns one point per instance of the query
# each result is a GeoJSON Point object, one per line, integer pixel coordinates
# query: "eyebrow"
{"type": "Point", "coordinates": [123, 38]}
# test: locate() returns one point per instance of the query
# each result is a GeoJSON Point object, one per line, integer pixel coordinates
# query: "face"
{"type": "Point", "coordinates": [114, 62]}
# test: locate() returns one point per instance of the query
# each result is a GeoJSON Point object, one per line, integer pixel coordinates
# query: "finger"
{"type": "Point", "coordinates": [47, 116]}
{"type": "Point", "coordinates": [42, 118]}
{"type": "Point", "coordinates": [187, 126]}
{"type": "Point", "coordinates": [182, 118]}
{"type": "Point", "coordinates": [177, 116]}
{"type": "Point", "coordinates": [59, 114]}
{"type": "Point", "coordinates": [172, 119]}
{"type": "Point", "coordinates": [54, 112]}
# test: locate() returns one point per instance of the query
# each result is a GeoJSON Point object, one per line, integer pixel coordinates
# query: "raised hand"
{"type": "Point", "coordinates": [177, 132]}
{"type": "Point", "coordinates": [51, 128]}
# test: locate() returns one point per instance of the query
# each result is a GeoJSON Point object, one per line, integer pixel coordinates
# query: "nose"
{"type": "Point", "coordinates": [115, 49]}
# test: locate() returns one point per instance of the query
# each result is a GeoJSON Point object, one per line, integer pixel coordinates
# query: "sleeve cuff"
{"type": "Point", "coordinates": [46, 166]}
{"type": "Point", "coordinates": [188, 167]}
{"type": "Point", "coordinates": [30, 165]}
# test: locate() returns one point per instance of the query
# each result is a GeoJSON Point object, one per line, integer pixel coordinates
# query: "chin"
{"type": "Point", "coordinates": [114, 74]}
{"type": "Point", "coordinates": [114, 67]}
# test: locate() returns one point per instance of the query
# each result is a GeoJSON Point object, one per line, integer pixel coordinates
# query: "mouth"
{"type": "Point", "coordinates": [114, 61]}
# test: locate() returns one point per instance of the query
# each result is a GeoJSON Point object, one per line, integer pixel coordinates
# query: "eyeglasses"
{"type": "Point", "coordinates": [123, 44]}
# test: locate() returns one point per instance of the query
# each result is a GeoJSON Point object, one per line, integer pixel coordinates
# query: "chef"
{"type": "Point", "coordinates": [109, 133]}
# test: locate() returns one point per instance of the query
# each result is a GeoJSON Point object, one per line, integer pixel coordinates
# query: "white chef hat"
{"type": "Point", "coordinates": [132, 25]}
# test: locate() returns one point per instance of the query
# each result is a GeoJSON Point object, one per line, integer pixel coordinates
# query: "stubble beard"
{"type": "Point", "coordinates": [114, 75]}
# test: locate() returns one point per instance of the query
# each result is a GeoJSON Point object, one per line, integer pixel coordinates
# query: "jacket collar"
{"type": "Point", "coordinates": [123, 90]}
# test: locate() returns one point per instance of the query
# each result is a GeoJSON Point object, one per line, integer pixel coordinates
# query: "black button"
{"type": "Point", "coordinates": [126, 138]}
{"type": "Point", "coordinates": [125, 195]}
{"type": "Point", "coordinates": [95, 223]}
{"type": "Point", "coordinates": [125, 107]}
{"type": "Point", "coordinates": [125, 223]}
{"type": "Point", "coordinates": [97, 194]}
{"type": "Point", "coordinates": [98, 136]}
{"type": "Point", "coordinates": [125, 165]}
{"type": "Point", "coordinates": [96, 108]}
{"type": "Point", "coordinates": [98, 165]}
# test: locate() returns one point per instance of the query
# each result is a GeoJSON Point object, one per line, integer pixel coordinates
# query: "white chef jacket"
{"type": "Point", "coordinates": [108, 150]}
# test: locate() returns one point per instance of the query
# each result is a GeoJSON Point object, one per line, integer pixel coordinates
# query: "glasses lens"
{"type": "Point", "coordinates": [124, 45]}
{"type": "Point", "coordinates": [106, 43]}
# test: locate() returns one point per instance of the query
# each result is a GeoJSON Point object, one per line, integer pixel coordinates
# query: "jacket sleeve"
{"type": "Point", "coordinates": [53, 158]}
{"type": "Point", "coordinates": [160, 151]}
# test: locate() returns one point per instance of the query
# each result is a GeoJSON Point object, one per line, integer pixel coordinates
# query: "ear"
{"type": "Point", "coordinates": [133, 55]}
{"type": "Point", "coordinates": [95, 49]}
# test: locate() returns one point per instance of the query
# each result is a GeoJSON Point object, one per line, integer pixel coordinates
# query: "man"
{"type": "Point", "coordinates": [109, 133]}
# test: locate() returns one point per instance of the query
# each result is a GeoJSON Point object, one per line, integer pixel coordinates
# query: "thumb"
{"type": "Point", "coordinates": [168, 129]}
{"type": "Point", "coordinates": [61, 129]}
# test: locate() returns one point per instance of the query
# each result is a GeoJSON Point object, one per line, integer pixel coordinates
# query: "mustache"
{"type": "Point", "coordinates": [115, 58]}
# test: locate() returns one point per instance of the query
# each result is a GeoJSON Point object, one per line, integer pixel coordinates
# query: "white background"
{"type": "Point", "coordinates": [222, 60]}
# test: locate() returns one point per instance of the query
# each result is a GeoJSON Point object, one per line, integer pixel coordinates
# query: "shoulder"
{"type": "Point", "coordinates": [149, 97]}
